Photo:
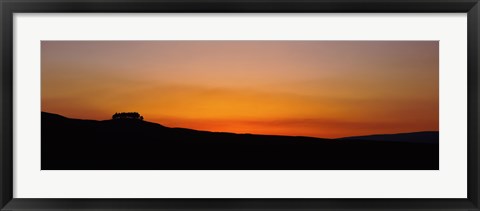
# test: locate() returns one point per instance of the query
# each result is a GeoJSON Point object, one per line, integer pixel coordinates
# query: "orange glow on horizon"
{"type": "Point", "coordinates": [322, 89]}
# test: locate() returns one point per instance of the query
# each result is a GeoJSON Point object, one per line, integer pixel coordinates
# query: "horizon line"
{"type": "Point", "coordinates": [342, 137]}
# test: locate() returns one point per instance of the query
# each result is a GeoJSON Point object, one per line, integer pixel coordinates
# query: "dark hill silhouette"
{"type": "Point", "coordinates": [133, 144]}
{"type": "Point", "coordinates": [428, 137]}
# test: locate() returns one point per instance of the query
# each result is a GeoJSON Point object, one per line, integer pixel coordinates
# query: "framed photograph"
{"type": "Point", "coordinates": [239, 105]}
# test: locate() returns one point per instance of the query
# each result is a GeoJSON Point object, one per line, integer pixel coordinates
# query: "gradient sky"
{"type": "Point", "coordinates": [308, 88]}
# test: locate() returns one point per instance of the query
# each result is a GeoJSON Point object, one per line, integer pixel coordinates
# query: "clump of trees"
{"type": "Point", "coordinates": [127, 115]}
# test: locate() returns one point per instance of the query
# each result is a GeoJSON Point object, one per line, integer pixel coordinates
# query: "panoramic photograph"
{"type": "Point", "coordinates": [240, 105]}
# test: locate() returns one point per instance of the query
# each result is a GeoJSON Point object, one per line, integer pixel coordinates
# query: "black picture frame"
{"type": "Point", "coordinates": [9, 7]}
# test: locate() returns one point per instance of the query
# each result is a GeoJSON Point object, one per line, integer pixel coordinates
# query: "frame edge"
{"type": "Point", "coordinates": [6, 94]}
{"type": "Point", "coordinates": [6, 117]}
{"type": "Point", "coordinates": [473, 22]}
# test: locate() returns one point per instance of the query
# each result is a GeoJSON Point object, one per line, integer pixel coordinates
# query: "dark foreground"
{"type": "Point", "coordinates": [72, 144]}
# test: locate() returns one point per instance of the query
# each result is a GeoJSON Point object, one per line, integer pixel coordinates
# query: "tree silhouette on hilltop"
{"type": "Point", "coordinates": [127, 115]}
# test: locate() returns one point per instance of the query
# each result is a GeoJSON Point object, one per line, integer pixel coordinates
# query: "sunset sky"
{"type": "Point", "coordinates": [310, 88]}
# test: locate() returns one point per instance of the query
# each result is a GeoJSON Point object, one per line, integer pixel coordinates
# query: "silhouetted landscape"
{"type": "Point", "coordinates": [125, 143]}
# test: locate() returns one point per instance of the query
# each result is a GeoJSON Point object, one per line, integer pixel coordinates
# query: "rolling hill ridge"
{"type": "Point", "coordinates": [129, 144]}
